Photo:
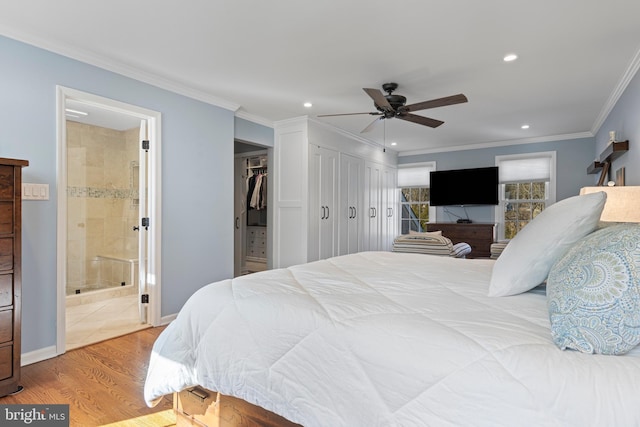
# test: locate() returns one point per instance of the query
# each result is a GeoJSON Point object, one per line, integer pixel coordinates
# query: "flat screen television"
{"type": "Point", "coordinates": [464, 187]}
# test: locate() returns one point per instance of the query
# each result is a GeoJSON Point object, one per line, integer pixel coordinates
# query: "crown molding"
{"type": "Point", "coordinates": [241, 114]}
{"type": "Point", "coordinates": [629, 74]}
{"type": "Point", "coordinates": [479, 146]}
{"type": "Point", "coordinates": [118, 68]}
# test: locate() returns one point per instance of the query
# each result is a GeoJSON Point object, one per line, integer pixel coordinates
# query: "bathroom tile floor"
{"type": "Point", "coordinates": [92, 322]}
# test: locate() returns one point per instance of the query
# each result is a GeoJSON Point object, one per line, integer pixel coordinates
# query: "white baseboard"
{"type": "Point", "coordinates": [38, 355]}
{"type": "Point", "coordinates": [165, 320]}
{"type": "Point", "coordinates": [50, 352]}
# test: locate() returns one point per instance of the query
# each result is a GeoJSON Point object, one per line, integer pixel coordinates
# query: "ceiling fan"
{"type": "Point", "coordinates": [393, 106]}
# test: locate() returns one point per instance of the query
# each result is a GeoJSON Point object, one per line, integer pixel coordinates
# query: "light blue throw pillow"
{"type": "Point", "coordinates": [593, 293]}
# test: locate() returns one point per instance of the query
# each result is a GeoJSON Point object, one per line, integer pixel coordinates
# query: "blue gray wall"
{"type": "Point", "coordinates": [197, 167]}
{"type": "Point", "coordinates": [624, 119]}
{"type": "Point", "coordinates": [249, 131]}
{"type": "Point", "coordinates": [572, 158]}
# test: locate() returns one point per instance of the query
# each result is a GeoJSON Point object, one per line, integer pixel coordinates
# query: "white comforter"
{"type": "Point", "coordinates": [389, 339]}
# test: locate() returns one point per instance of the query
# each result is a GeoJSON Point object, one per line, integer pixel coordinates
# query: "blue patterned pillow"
{"type": "Point", "coordinates": [593, 292]}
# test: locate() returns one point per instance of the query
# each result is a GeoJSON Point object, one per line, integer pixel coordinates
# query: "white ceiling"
{"type": "Point", "coordinates": [266, 58]}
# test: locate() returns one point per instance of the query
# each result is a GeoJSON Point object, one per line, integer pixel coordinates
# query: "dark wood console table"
{"type": "Point", "coordinates": [479, 236]}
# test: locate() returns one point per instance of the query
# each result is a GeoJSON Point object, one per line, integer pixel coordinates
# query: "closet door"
{"type": "Point", "coordinates": [323, 196]}
{"type": "Point", "coordinates": [372, 178]}
{"type": "Point", "coordinates": [351, 190]}
{"type": "Point", "coordinates": [390, 204]}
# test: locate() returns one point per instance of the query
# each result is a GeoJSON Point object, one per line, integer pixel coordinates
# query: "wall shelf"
{"type": "Point", "coordinates": [612, 152]}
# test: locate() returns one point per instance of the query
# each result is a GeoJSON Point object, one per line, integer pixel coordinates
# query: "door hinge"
{"type": "Point", "coordinates": [145, 144]}
{"type": "Point", "coordinates": [144, 298]}
{"type": "Point", "coordinates": [145, 223]}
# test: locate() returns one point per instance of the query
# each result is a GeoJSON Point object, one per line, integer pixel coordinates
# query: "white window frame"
{"type": "Point", "coordinates": [551, 189]}
{"type": "Point", "coordinates": [432, 167]}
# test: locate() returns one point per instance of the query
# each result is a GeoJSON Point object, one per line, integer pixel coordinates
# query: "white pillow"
{"type": "Point", "coordinates": [529, 256]}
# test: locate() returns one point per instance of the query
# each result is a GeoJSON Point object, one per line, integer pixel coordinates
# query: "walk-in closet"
{"type": "Point", "coordinates": [251, 183]}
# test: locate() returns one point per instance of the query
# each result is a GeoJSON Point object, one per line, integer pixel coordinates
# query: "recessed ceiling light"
{"type": "Point", "coordinates": [308, 105]}
{"type": "Point", "coordinates": [524, 126]}
{"type": "Point", "coordinates": [394, 143]}
{"type": "Point", "coordinates": [510, 57]}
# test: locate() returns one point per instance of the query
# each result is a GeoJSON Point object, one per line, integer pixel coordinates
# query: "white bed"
{"type": "Point", "coordinates": [389, 339]}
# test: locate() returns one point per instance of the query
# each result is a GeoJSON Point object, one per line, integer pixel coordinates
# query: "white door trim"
{"type": "Point", "coordinates": [154, 201]}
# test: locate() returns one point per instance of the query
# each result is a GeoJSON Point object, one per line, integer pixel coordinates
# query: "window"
{"type": "Point", "coordinates": [527, 187]}
{"type": "Point", "coordinates": [413, 181]}
{"type": "Point", "coordinates": [522, 202]}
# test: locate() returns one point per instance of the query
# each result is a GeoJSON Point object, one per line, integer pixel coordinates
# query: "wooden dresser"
{"type": "Point", "coordinates": [479, 236]}
{"type": "Point", "coordinates": [10, 273]}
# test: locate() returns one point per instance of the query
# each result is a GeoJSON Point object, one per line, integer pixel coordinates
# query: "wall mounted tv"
{"type": "Point", "coordinates": [464, 187]}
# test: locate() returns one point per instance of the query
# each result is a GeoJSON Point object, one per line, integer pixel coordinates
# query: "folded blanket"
{"type": "Point", "coordinates": [431, 244]}
{"type": "Point", "coordinates": [421, 239]}
{"type": "Point", "coordinates": [423, 243]}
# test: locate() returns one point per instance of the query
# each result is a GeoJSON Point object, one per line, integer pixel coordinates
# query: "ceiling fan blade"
{"type": "Point", "coordinates": [346, 114]}
{"type": "Point", "coordinates": [378, 98]}
{"type": "Point", "coordinates": [440, 102]}
{"type": "Point", "coordinates": [372, 125]}
{"type": "Point", "coordinates": [421, 120]}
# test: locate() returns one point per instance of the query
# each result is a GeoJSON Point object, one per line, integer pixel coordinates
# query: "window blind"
{"type": "Point", "coordinates": [417, 176]}
{"type": "Point", "coordinates": [525, 169]}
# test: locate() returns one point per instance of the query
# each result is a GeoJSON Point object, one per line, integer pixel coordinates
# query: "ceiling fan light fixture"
{"type": "Point", "coordinates": [392, 106]}
{"type": "Point", "coordinates": [510, 57]}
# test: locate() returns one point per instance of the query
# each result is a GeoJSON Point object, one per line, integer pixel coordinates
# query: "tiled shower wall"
{"type": "Point", "coordinates": [102, 205]}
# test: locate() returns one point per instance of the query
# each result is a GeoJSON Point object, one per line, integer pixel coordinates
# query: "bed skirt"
{"type": "Point", "coordinates": [201, 407]}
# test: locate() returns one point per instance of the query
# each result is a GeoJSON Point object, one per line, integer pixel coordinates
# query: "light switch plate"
{"type": "Point", "coordinates": [35, 191]}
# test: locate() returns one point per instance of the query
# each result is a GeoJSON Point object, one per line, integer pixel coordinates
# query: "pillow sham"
{"type": "Point", "coordinates": [593, 293]}
{"type": "Point", "coordinates": [527, 259]}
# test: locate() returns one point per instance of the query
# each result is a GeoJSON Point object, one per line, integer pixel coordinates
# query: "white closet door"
{"type": "Point", "coordinates": [323, 197]}
{"type": "Point", "coordinates": [351, 214]}
{"type": "Point", "coordinates": [372, 206]}
{"type": "Point", "coordinates": [390, 208]}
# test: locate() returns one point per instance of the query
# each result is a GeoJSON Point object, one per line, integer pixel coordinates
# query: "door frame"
{"type": "Point", "coordinates": [154, 233]}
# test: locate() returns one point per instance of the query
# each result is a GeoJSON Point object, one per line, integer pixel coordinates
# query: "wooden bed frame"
{"type": "Point", "coordinates": [200, 407]}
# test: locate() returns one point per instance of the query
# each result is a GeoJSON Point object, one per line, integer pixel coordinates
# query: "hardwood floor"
{"type": "Point", "coordinates": [102, 383]}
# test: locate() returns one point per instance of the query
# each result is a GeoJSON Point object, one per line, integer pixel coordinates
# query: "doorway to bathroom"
{"type": "Point", "coordinates": [108, 182]}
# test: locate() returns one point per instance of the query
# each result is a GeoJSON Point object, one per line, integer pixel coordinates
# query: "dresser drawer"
{"type": "Point", "coordinates": [6, 362]}
{"type": "Point", "coordinates": [257, 252]}
{"type": "Point", "coordinates": [256, 232]}
{"type": "Point", "coordinates": [6, 253]}
{"type": "Point", "coordinates": [6, 182]}
{"type": "Point", "coordinates": [478, 235]}
{"type": "Point", "coordinates": [6, 217]}
{"type": "Point", "coordinates": [6, 325]}
{"type": "Point", "coordinates": [6, 289]}
{"type": "Point", "coordinates": [256, 243]}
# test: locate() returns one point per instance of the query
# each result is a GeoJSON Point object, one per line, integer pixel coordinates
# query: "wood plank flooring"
{"type": "Point", "coordinates": [102, 383]}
